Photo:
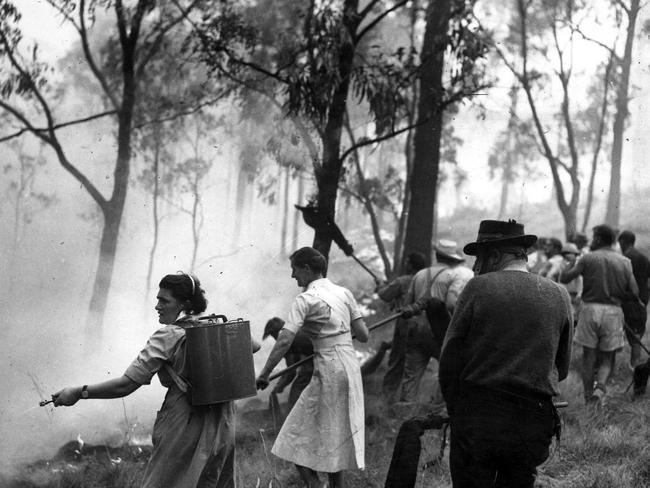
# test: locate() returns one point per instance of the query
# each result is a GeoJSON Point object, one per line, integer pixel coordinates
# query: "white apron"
{"type": "Point", "coordinates": [325, 429]}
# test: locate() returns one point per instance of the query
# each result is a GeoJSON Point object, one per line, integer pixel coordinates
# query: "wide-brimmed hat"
{"type": "Point", "coordinates": [497, 233]}
{"type": "Point", "coordinates": [448, 249]}
{"type": "Point", "coordinates": [570, 248]}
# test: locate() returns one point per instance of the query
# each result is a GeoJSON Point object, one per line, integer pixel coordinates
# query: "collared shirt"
{"type": "Point", "coordinates": [322, 310]}
{"type": "Point", "coordinates": [450, 283]}
{"type": "Point", "coordinates": [607, 276]}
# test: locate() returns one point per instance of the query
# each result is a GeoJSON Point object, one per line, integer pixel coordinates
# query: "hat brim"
{"type": "Point", "coordinates": [453, 257]}
{"type": "Point", "coordinates": [526, 241]}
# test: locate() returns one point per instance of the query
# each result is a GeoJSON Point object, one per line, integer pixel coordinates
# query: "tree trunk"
{"type": "Point", "coordinates": [613, 214]}
{"type": "Point", "coordinates": [284, 231]}
{"type": "Point", "coordinates": [107, 248]}
{"type": "Point", "coordinates": [426, 159]}
{"type": "Point", "coordinates": [599, 142]}
{"type": "Point", "coordinates": [367, 203]}
{"type": "Point", "coordinates": [240, 208]}
{"type": "Point", "coordinates": [329, 175]}
{"type": "Point", "coordinates": [196, 222]}
{"type": "Point", "coordinates": [154, 207]}
{"type": "Point", "coordinates": [296, 213]}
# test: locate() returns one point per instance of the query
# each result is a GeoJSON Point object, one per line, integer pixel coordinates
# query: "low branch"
{"type": "Point", "coordinates": [368, 142]}
{"type": "Point", "coordinates": [378, 19]}
{"type": "Point", "coordinates": [55, 126]}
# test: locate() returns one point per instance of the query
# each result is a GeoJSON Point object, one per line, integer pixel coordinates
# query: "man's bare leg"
{"type": "Point", "coordinates": [589, 357]}
{"type": "Point", "coordinates": [309, 477]}
{"type": "Point", "coordinates": [606, 361]}
{"type": "Point", "coordinates": [336, 480]}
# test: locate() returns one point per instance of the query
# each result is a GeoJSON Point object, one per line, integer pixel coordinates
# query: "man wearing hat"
{"type": "Point", "coordinates": [443, 282]}
{"type": "Point", "coordinates": [507, 346]}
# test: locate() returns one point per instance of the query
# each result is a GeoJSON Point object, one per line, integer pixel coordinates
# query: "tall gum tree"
{"type": "Point", "coordinates": [543, 33]}
{"type": "Point", "coordinates": [450, 71]}
{"type": "Point", "coordinates": [314, 69]}
{"type": "Point", "coordinates": [136, 37]}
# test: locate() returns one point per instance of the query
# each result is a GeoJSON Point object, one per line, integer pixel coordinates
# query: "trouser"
{"type": "Point", "coordinates": [498, 440]}
{"type": "Point", "coordinates": [396, 358]}
{"type": "Point", "coordinates": [420, 348]}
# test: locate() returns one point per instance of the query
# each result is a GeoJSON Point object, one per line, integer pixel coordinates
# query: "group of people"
{"type": "Point", "coordinates": [608, 285]}
{"type": "Point", "coordinates": [502, 335]}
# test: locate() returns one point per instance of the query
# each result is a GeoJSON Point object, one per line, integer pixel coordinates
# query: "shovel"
{"type": "Point", "coordinates": [319, 221]}
{"type": "Point", "coordinates": [297, 364]}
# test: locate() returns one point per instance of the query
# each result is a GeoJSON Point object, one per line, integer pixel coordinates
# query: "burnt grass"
{"type": "Point", "coordinates": [605, 447]}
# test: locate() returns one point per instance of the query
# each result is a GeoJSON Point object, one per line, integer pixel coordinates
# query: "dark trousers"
{"type": "Point", "coordinates": [498, 441]}
{"type": "Point", "coordinates": [396, 357]}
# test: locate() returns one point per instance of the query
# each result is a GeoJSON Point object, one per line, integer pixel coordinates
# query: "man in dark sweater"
{"type": "Point", "coordinates": [641, 271]}
{"type": "Point", "coordinates": [507, 347]}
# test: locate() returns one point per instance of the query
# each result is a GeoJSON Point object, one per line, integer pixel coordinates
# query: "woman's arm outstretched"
{"type": "Point", "coordinates": [115, 388]}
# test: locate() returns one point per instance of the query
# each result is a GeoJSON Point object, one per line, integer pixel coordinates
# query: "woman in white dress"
{"type": "Point", "coordinates": [324, 432]}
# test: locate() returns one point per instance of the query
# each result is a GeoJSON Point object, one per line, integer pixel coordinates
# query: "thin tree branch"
{"type": "Point", "coordinates": [56, 126]}
{"type": "Point", "coordinates": [83, 34]}
{"type": "Point", "coordinates": [367, 142]}
{"type": "Point", "coordinates": [368, 27]}
{"type": "Point", "coordinates": [366, 10]}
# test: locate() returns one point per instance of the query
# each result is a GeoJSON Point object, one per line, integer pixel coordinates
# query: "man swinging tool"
{"type": "Point", "coordinates": [324, 223]}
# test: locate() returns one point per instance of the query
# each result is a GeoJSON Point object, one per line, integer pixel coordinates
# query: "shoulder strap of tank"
{"type": "Point", "coordinates": [182, 383]}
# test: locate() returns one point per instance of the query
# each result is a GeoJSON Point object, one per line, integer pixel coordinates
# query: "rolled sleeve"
{"type": "Point", "coordinates": [156, 353]}
{"type": "Point", "coordinates": [297, 314]}
{"type": "Point", "coordinates": [353, 306]}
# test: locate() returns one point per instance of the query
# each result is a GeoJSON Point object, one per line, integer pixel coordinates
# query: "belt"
{"type": "Point", "coordinates": [523, 399]}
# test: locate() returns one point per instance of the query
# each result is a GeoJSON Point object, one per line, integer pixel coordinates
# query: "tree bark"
{"type": "Point", "coordinates": [154, 207]}
{"type": "Point", "coordinates": [296, 213]}
{"type": "Point", "coordinates": [329, 174]}
{"type": "Point", "coordinates": [427, 138]}
{"type": "Point", "coordinates": [113, 208]}
{"type": "Point", "coordinates": [613, 214]}
{"type": "Point", "coordinates": [284, 231]}
{"type": "Point", "coordinates": [599, 142]}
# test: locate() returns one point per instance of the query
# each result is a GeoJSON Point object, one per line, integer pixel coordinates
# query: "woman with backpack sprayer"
{"type": "Point", "coordinates": [193, 446]}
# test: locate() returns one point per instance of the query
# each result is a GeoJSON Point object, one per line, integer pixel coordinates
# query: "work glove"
{"type": "Point", "coordinates": [262, 382]}
{"type": "Point", "coordinates": [409, 311]}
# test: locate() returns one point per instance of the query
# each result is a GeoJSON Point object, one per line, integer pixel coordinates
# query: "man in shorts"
{"type": "Point", "coordinates": [607, 280]}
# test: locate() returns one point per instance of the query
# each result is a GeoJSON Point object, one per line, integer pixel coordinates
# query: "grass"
{"type": "Point", "coordinates": [600, 448]}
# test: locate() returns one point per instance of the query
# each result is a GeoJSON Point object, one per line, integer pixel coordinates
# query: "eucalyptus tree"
{"type": "Point", "coordinates": [116, 60]}
{"type": "Point", "coordinates": [544, 34]}
{"type": "Point", "coordinates": [307, 56]}
{"type": "Point", "coordinates": [451, 69]}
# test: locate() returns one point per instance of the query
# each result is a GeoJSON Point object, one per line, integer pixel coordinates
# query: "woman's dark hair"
{"type": "Point", "coordinates": [308, 256]}
{"type": "Point", "coordinates": [186, 288]}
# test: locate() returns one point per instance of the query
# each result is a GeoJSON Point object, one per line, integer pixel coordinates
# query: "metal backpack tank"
{"type": "Point", "coordinates": [221, 360]}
